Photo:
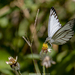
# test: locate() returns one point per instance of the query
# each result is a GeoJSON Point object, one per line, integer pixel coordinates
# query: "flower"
{"type": "Point", "coordinates": [44, 55]}
{"type": "Point", "coordinates": [49, 50]}
{"type": "Point", "coordinates": [47, 61]}
{"type": "Point", "coordinates": [45, 48]}
{"type": "Point", "coordinates": [11, 60]}
{"type": "Point", "coordinates": [13, 63]}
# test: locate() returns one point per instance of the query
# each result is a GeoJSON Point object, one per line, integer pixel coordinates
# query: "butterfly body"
{"type": "Point", "coordinates": [58, 34]}
{"type": "Point", "coordinates": [50, 40]}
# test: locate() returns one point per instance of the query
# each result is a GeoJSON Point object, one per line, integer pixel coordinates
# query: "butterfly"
{"type": "Point", "coordinates": [58, 34]}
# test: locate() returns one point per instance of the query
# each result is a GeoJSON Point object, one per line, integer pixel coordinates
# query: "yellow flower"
{"type": "Point", "coordinates": [45, 47]}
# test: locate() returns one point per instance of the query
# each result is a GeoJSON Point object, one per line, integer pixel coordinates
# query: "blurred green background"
{"type": "Point", "coordinates": [16, 20]}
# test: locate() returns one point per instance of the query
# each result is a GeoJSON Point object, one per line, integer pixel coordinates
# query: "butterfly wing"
{"type": "Point", "coordinates": [53, 24]}
{"type": "Point", "coordinates": [65, 33]}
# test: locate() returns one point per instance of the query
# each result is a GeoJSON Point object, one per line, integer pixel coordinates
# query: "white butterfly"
{"type": "Point", "coordinates": [58, 34]}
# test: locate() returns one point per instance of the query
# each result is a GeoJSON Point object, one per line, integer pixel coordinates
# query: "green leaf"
{"type": "Point", "coordinates": [30, 56]}
{"type": "Point", "coordinates": [3, 58]}
{"type": "Point", "coordinates": [6, 71]}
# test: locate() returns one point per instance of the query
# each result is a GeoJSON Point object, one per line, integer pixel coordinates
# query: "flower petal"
{"type": "Point", "coordinates": [49, 50]}
{"type": "Point", "coordinates": [10, 63]}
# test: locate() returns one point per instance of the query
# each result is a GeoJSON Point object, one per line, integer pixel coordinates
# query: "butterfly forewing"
{"type": "Point", "coordinates": [53, 24]}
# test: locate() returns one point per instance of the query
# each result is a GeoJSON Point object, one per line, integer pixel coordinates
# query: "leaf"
{"type": "Point", "coordinates": [30, 56]}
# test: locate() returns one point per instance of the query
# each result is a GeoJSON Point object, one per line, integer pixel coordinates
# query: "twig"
{"type": "Point", "coordinates": [35, 25]}
{"type": "Point", "coordinates": [26, 41]}
{"type": "Point", "coordinates": [36, 17]}
{"type": "Point", "coordinates": [30, 44]}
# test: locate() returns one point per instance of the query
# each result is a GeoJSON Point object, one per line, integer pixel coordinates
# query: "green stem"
{"type": "Point", "coordinates": [43, 70]}
{"type": "Point", "coordinates": [19, 72]}
{"type": "Point", "coordinates": [33, 57]}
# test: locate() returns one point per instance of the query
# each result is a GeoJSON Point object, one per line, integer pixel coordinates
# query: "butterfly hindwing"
{"type": "Point", "coordinates": [64, 33]}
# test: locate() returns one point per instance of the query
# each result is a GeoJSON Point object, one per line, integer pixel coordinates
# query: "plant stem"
{"type": "Point", "coordinates": [33, 57]}
{"type": "Point", "coordinates": [43, 70]}
{"type": "Point", "coordinates": [19, 72]}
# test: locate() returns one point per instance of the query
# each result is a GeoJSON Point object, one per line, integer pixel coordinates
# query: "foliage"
{"type": "Point", "coordinates": [17, 19]}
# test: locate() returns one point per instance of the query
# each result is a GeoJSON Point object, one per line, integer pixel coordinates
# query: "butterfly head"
{"type": "Point", "coordinates": [49, 40]}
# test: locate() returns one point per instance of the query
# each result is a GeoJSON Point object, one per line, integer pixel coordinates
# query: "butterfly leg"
{"type": "Point", "coordinates": [50, 43]}
{"type": "Point", "coordinates": [47, 39]}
